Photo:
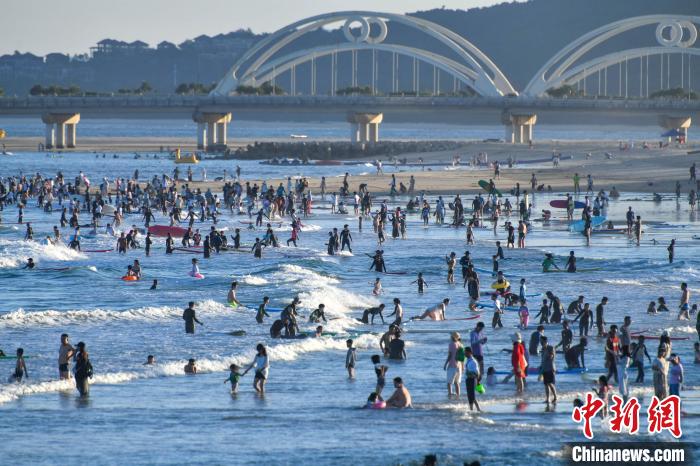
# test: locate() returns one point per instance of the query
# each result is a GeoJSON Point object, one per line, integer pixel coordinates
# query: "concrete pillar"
{"type": "Point", "coordinates": [221, 133]}
{"type": "Point", "coordinates": [201, 136]}
{"type": "Point", "coordinates": [364, 127]}
{"type": "Point", "coordinates": [70, 135]}
{"type": "Point", "coordinates": [518, 126]}
{"type": "Point", "coordinates": [364, 132]}
{"type": "Point", "coordinates": [679, 123]}
{"type": "Point", "coordinates": [211, 130]}
{"type": "Point", "coordinates": [50, 141]}
{"type": "Point", "coordinates": [60, 136]}
{"type": "Point", "coordinates": [61, 130]}
{"type": "Point", "coordinates": [374, 132]}
{"type": "Point", "coordinates": [354, 133]}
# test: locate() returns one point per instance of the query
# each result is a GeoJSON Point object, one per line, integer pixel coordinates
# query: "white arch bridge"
{"type": "Point", "coordinates": [586, 72]}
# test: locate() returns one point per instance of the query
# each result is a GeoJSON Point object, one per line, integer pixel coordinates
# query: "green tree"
{"type": "Point", "coordinates": [563, 91]}
{"type": "Point", "coordinates": [145, 88]}
{"type": "Point", "coordinates": [36, 90]}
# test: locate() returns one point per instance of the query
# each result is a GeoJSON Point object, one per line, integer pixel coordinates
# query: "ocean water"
{"type": "Point", "coordinates": [311, 413]}
{"type": "Point", "coordinates": [328, 129]}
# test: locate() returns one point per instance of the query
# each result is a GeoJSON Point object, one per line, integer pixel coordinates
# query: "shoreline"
{"type": "Point", "coordinates": [633, 170]}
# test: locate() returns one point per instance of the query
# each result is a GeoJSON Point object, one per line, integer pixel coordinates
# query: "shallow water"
{"type": "Point", "coordinates": [311, 411]}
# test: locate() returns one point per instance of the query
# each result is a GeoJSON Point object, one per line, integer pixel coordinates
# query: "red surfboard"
{"type": "Point", "coordinates": [163, 230]}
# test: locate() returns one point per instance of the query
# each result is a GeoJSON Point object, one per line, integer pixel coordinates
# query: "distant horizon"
{"type": "Point", "coordinates": [72, 31]}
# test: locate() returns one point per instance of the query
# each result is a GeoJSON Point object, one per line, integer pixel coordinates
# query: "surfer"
{"type": "Point", "coordinates": [436, 312]}
{"type": "Point", "coordinates": [318, 314]}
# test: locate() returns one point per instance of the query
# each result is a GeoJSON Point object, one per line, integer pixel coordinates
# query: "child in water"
{"type": "Point", "coordinates": [375, 401]}
{"type": "Point", "coordinates": [377, 287]}
{"type": "Point", "coordinates": [234, 377]}
{"type": "Point", "coordinates": [603, 393]}
{"type": "Point", "coordinates": [195, 269]}
{"type": "Point", "coordinates": [524, 314]}
{"type": "Point", "coordinates": [491, 376]}
{"type": "Point", "coordinates": [380, 371]}
{"type": "Point", "coordinates": [421, 283]}
{"type": "Point", "coordinates": [20, 367]}
{"type": "Point", "coordinates": [651, 309]}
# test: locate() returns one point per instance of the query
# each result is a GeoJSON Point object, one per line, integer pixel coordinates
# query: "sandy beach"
{"type": "Point", "coordinates": [635, 169]}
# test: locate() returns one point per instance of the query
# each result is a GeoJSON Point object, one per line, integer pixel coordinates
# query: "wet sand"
{"type": "Point", "coordinates": [636, 169]}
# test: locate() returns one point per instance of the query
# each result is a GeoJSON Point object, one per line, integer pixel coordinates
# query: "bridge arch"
{"type": "Point", "coordinates": [266, 60]}
{"type": "Point", "coordinates": [674, 35]}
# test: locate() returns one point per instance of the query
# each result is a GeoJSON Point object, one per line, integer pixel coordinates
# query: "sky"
{"type": "Point", "coordinates": [73, 26]}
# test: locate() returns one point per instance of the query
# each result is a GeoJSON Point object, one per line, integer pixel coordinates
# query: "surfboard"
{"type": "Point", "coordinates": [579, 225]}
{"type": "Point", "coordinates": [657, 337]}
{"type": "Point", "coordinates": [592, 269]}
{"type": "Point", "coordinates": [97, 250]}
{"type": "Point", "coordinates": [233, 305]}
{"type": "Point", "coordinates": [562, 204]}
{"type": "Point", "coordinates": [486, 186]}
{"type": "Point", "coordinates": [163, 230]}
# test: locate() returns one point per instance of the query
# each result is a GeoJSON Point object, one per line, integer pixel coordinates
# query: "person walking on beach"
{"type": "Point", "coordinates": [189, 316]}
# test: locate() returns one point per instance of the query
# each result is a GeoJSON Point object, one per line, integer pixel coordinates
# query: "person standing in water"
{"type": "Point", "coordinates": [262, 369]}
{"type": "Point", "coordinates": [350, 359]}
{"type": "Point", "coordinates": [83, 370]}
{"type": "Point", "coordinates": [65, 354]}
{"type": "Point", "coordinates": [571, 263]}
{"type": "Point", "coordinates": [189, 316]}
{"type": "Point", "coordinates": [684, 304]}
{"type": "Point", "coordinates": [453, 364]}
{"type": "Point", "coordinates": [231, 298]}
{"type": "Point", "coordinates": [262, 313]}
{"type": "Point", "coordinates": [671, 251]}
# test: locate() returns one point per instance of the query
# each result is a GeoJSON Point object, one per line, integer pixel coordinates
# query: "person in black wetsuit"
{"type": "Point", "coordinates": [190, 317]}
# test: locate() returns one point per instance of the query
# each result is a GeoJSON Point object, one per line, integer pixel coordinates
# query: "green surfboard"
{"type": "Point", "coordinates": [486, 186]}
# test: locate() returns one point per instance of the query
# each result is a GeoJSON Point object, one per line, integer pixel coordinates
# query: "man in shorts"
{"type": "Point", "coordinates": [65, 353]}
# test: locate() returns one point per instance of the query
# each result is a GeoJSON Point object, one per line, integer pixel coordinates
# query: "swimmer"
{"type": "Point", "coordinates": [154, 285]}
{"type": "Point", "coordinates": [318, 314]}
{"type": "Point", "coordinates": [191, 367]}
{"type": "Point", "coordinates": [150, 360]}
{"type": "Point", "coordinates": [319, 331]}
{"type": "Point", "coordinates": [30, 264]}
{"type": "Point", "coordinates": [20, 367]}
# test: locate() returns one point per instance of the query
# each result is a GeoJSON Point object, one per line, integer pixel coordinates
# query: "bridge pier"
{"type": "Point", "coordinates": [519, 127]}
{"type": "Point", "coordinates": [364, 127]}
{"type": "Point", "coordinates": [679, 123]}
{"type": "Point", "coordinates": [211, 130]}
{"type": "Point", "coordinates": [60, 130]}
